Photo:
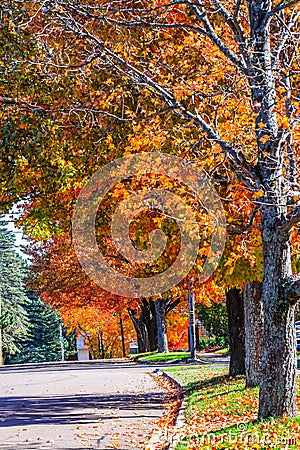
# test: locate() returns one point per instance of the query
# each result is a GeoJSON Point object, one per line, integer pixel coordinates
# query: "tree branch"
{"type": "Point", "coordinates": [237, 7]}
{"type": "Point", "coordinates": [231, 20]}
{"type": "Point", "coordinates": [281, 5]}
{"type": "Point", "coordinates": [293, 218]}
{"type": "Point", "coordinates": [244, 171]}
{"type": "Point", "coordinates": [78, 9]}
{"type": "Point", "coordinates": [284, 37]}
{"type": "Point", "coordinates": [199, 10]}
{"type": "Point", "coordinates": [246, 227]}
{"type": "Point", "coordinates": [171, 304]}
{"type": "Point", "coordinates": [20, 103]}
{"type": "Point", "coordinates": [292, 289]}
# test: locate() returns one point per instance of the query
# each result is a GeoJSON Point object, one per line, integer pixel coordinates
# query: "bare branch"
{"type": "Point", "coordinates": [199, 10]}
{"type": "Point", "coordinates": [231, 20]}
{"type": "Point", "coordinates": [237, 7]}
{"type": "Point", "coordinates": [23, 104]}
{"type": "Point", "coordinates": [281, 5]}
{"type": "Point", "coordinates": [285, 35]}
{"type": "Point", "coordinates": [78, 9]}
{"type": "Point", "coordinates": [114, 116]}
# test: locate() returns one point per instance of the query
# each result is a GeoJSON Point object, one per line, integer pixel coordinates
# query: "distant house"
{"type": "Point", "coordinates": [82, 349]}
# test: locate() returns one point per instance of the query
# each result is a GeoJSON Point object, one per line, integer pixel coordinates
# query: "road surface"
{"type": "Point", "coordinates": [78, 406]}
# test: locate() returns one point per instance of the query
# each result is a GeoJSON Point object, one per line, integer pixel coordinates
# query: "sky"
{"type": "Point", "coordinates": [19, 236]}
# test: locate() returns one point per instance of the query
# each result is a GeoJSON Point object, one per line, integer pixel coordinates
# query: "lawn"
{"type": "Point", "coordinates": [222, 414]}
{"type": "Point", "coordinates": [222, 351]}
{"type": "Point", "coordinates": [162, 357]}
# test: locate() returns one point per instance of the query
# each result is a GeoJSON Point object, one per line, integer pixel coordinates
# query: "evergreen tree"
{"type": "Point", "coordinates": [43, 340]}
{"type": "Point", "coordinates": [13, 316]}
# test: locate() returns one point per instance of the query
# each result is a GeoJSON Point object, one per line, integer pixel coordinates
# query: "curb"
{"type": "Point", "coordinates": [158, 441]}
{"type": "Point", "coordinates": [180, 420]}
{"type": "Point", "coordinates": [160, 363]}
{"type": "Point", "coordinates": [161, 440]}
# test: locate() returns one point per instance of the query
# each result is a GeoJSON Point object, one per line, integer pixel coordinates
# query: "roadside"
{"type": "Point", "coordinates": [77, 406]}
{"type": "Point", "coordinates": [221, 414]}
{"type": "Point", "coordinates": [180, 358]}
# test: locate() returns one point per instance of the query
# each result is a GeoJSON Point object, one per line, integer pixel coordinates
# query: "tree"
{"type": "Point", "coordinates": [246, 103]}
{"type": "Point", "coordinates": [144, 321]}
{"type": "Point", "coordinates": [55, 274]}
{"type": "Point", "coordinates": [241, 263]}
{"type": "Point", "coordinates": [42, 342]}
{"type": "Point", "coordinates": [55, 149]}
{"type": "Point", "coordinates": [214, 318]}
{"type": "Point", "coordinates": [24, 101]}
{"type": "Point", "coordinates": [177, 325]}
{"type": "Point", "coordinates": [244, 322]}
{"type": "Point", "coordinates": [258, 40]}
{"type": "Point", "coordinates": [14, 320]}
{"type": "Point", "coordinates": [100, 329]}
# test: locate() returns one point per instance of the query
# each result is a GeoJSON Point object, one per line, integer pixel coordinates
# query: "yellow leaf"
{"type": "Point", "coordinates": [264, 139]}
{"type": "Point", "coordinates": [285, 123]}
{"type": "Point", "coordinates": [257, 194]}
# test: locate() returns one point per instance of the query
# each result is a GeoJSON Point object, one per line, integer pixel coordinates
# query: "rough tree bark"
{"type": "Point", "coordinates": [141, 331]}
{"type": "Point", "coordinates": [162, 340]}
{"type": "Point", "coordinates": [278, 383]}
{"type": "Point", "coordinates": [253, 315]}
{"type": "Point", "coordinates": [236, 331]}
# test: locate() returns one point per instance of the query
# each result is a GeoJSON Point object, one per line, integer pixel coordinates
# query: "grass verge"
{"type": "Point", "coordinates": [162, 357]}
{"type": "Point", "coordinates": [222, 351]}
{"type": "Point", "coordinates": [222, 414]}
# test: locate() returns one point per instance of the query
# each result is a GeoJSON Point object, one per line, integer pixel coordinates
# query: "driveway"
{"type": "Point", "coordinates": [78, 406]}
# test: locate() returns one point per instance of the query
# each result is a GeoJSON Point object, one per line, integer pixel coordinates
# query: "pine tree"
{"type": "Point", "coordinates": [43, 340]}
{"type": "Point", "coordinates": [13, 317]}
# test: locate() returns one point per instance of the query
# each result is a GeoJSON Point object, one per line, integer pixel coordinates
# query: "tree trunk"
{"type": "Point", "coordinates": [253, 314]}
{"type": "Point", "coordinates": [102, 345]}
{"type": "Point", "coordinates": [236, 329]}
{"type": "Point", "coordinates": [149, 316]}
{"type": "Point", "coordinates": [162, 340]}
{"type": "Point", "coordinates": [141, 331]}
{"type": "Point", "coordinates": [145, 326]}
{"type": "Point", "coordinates": [278, 384]}
{"type": "Point", "coordinates": [122, 337]}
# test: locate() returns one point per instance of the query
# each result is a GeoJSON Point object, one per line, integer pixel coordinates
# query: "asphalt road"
{"type": "Point", "coordinates": [78, 406]}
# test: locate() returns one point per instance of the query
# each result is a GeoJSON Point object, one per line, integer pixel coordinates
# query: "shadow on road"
{"type": "Point", "coordinates": [24, 411]}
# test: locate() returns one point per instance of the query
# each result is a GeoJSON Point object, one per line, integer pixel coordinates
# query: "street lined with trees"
{"type": "Point", "coordinates": [216, 82]}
